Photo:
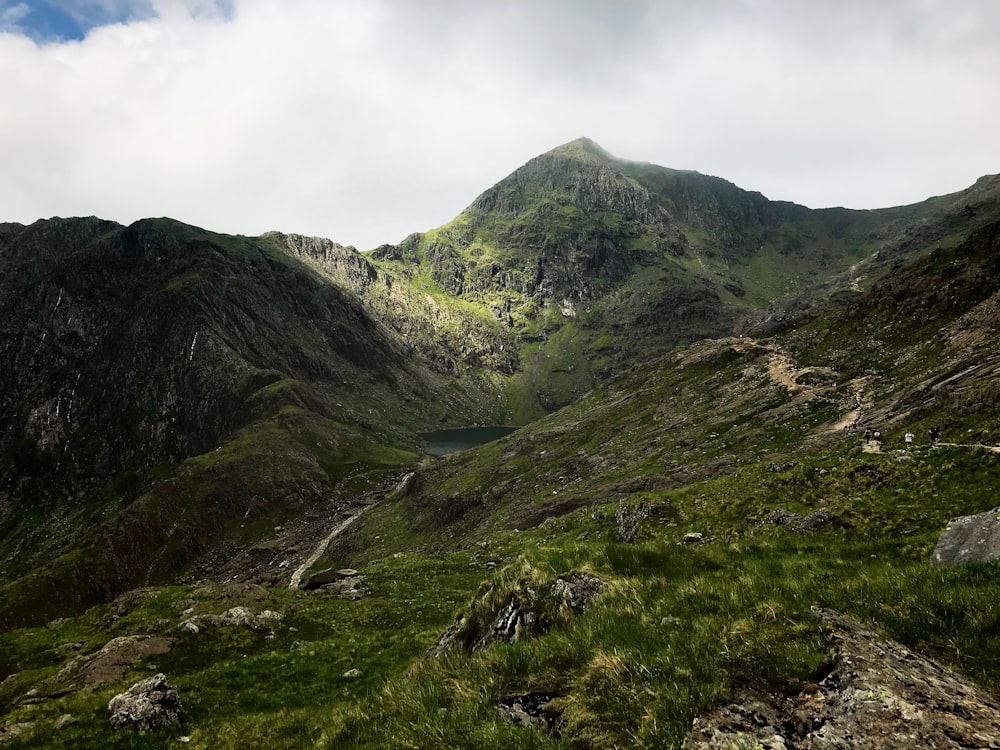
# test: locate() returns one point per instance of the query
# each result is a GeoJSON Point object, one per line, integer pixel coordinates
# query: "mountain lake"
{"type": "Point", "coordinates": [443, 442]}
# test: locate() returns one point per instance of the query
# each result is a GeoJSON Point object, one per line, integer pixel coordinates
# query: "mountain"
{"type": "Point", "coordinates": [600, 262]}
{"type": "Point", "coordinates": [162, 385]}
{"type": "Point", "coordinates": [194, 421]}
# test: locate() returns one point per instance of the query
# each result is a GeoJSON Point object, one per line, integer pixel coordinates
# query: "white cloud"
{"type": "Point", "coordinates": [11, 17]}
{"type": "Point", "coordinates": [363, 120]}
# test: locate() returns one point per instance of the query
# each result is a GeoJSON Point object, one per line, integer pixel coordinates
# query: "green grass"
{"type": "Point", "coordinates": [680, 627]}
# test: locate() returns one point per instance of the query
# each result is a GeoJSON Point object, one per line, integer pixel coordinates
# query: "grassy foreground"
{"type": "Point", "coordinates": [679, 628]}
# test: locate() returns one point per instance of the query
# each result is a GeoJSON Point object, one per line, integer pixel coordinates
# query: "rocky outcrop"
{"type": "Point", "coordinates": [150, 704]}
{"type": "Point", "coordinates": [969, 539]}
{"type": "Point", "coordinates": [814, 521]}
{"type": "Point", "coordinates": [240, 617]}
{"type": "Point", "coordinates": [878, 695]}
{"type": "Point", "coordinates": [114, 658]}
{"type": "Point", "coordinates": [522, 613]}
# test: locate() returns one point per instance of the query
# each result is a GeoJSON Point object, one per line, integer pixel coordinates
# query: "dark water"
{"type": "Point", "coordinates": [443, 442]}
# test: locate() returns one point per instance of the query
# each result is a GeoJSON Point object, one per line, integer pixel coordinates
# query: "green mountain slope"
{"type": "Point", "coordinates": [594, 263]}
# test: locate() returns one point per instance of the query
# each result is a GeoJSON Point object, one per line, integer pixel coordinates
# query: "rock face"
{"type": "Point", "coordinates": [969, 539]}
{"type": "Point", "coordinates": [878, 696]}
{"type": "Point", "coordinates": [522, 613]}
{"type": "Point", "coordinates": [150, 704]}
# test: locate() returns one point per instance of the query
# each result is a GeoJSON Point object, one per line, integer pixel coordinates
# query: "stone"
{"type": "Point", "coordinates": [578, 591]}
{"type": "Point", "coordinates": [64, 721]}
{"type": "Point", "coordinates": [627, 517]}
{"type": "Point", "coordinates": [327, 576]}
{"type": "Point", "coordinates": [17, 729]}
{"type": "Point", "coordinates": [351, 674]}
{"type": "Point", "coordinates": [878, 695]}
{"type": "Point", "coordinates": [969, 539]}
{"type": "Point", "coordinates": [114, 659]}
{"type": "Point", "coordinates": [351, 588]}
{"type": "Point", "coordinates": [694, 537]}
{"type": "Point", "coordinates": [532, 710]}
{"type": "Point", "coordinates": [147, 705]}
{"type": "Point", "coordinates": [780, 517]}
{"type": "Point", "coordinates": [240, 617]}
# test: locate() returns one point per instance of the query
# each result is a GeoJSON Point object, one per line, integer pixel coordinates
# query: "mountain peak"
{"type": "Point", "coordinates": [582, 148]}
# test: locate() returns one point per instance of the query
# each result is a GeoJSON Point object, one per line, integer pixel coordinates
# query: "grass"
{"type": "Point", "coordinates": [680, 627]}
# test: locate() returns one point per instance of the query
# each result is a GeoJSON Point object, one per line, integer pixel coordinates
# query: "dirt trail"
{"type": "Point", "coordinates": [783, 371]}
{"type": "Point", "coordinates": [320, 548]}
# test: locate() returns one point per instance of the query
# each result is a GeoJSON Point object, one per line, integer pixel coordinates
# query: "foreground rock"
{"type": "Point", "coordinates": [969, 539]}
{"type": "Point", "coordinates": [150, 704]}
{"type": "Point", "coordinates": [878, 696]}
{"type": "Point", "coordinates": [114, 659]}
{"type": "Point", "coordinates": [522, 612]}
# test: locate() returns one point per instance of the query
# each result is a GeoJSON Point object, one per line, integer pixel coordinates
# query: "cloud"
{"type": "Point", "coordinates": [12, 16]}
{"type": "Point", "coordinates": [364, 120]}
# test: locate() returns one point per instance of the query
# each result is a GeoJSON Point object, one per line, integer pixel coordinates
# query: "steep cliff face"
{"type": "Point", "coordinates": [451, 339]}
{"type": "Point", "coordinates": [132, 346]}
{"type": "Point", "coordinates": [161, 385]}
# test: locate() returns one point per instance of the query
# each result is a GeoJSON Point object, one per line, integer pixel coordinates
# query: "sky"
{"type": "Point", "coordinates": [366, 120]}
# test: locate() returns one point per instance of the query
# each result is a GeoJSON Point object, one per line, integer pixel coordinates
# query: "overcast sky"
{"type": "Point", "coordinates": [365, 120]}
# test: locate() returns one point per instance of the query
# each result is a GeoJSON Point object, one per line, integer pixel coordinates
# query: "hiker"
{"type": "Point", "coordinates": [868, 435]}
{"type": "Point", "coordinates": [908, 437]}
{"type": "Point", "coordinates": [935, 434]}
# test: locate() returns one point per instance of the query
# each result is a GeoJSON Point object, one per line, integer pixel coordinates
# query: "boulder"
{"type": "Point", "coordinates": [969, 539]}
{"type": "Point", "coordinates": [150, 704]}
{"type": "Point", "coordinates": [327, 576]}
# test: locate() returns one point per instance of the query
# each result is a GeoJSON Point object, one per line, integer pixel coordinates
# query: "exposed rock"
{"type": "Point", "coordinates": [578, 591]}
{"type": "Point", "coordinates": [878, 696]}
{"type": "Point", "coordinates": [780, 467]}
{"type": "Point", "coordinates": [627, 517]}
{"type": "Point", "coordinates": [329, 575]}
{"type": "Point", "coordinates": [351, 674]}
{"type": "Point", "coordinates": [532, 710]}
{"type": "Point", "coordinates": [350, 587]}
{"type": "Point", "coordinates": [150, 704]}
{"type": "Point", "coordinates": [18, 729]}
{"type": "Point", "coordinates": [814, 521]}
{"type": "Point", "coordinates": [447, 638]}
{"type": "Point", "coordinates": [694, 537]}
{"type": "Point", "coordinates": [241, 617]}
{"type": "Point", "coordinates": [969, 539]}
{"type": "Point", "coordinates": [510, 622]}
{"type": "Point", "coordinates": [523, 613]}
{"type": "Point", "coordinates": [64, 721]}
{"type": "Point", "coordinates": [114, 658]}
{"type": "Point", "coordinates": [780, 517]}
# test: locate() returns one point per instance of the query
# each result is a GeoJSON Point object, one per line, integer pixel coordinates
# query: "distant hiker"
{"type": "Point", "coordinates": [877, 437]}
{"type": "Point", "coordinates": [935, 434]}
{"type": "Point", "coordinates": [868, 435]}
{"type": "Point", "coordinates": [908, 437]}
